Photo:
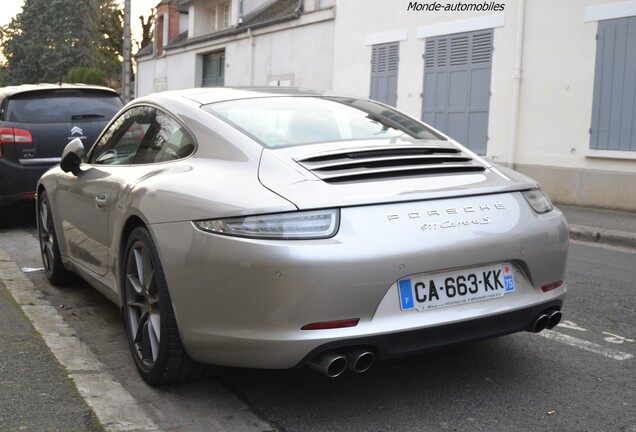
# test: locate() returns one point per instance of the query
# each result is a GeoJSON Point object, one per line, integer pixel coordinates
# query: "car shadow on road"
{"type": "Point", "coordinates": [473, 379]}
{"type": "Point", "coordinates": [23, 215]}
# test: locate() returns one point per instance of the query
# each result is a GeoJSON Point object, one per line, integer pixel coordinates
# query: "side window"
{"type": "Point", "coordinates": [120, 143]}
{"type": "Point", "coordinates": [165, 140]}
{"type": "Point", "coordinates": [142, 135]}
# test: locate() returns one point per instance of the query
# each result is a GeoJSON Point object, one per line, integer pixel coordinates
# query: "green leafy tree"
{"type": "Point", "coordinates": [109, 45]}
{"type": "Point", "coordinates": [3, 75]}
{"type": "Point", "coordinates": [86, 75]}
{"type": "Point", "coordinates": [51, 37]}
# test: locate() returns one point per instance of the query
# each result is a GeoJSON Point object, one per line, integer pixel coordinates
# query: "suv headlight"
{"type": "Point", "coordinates": [538, 200]}
{"type": "Point", "coordinates": [318, 224]}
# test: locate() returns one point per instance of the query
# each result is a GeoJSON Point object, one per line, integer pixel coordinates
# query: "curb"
{"type": "Point", "coordinates": [112, 404]}
{"type": "Point", "coordinates": [603, 236]}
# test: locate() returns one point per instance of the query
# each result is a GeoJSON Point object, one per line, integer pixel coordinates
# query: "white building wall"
{"type": "Point", "coordinates": [297, 53]}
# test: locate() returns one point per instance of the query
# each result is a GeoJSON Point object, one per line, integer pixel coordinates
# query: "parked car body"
{"type": "Point", "coordinates": [36, 122]}
{"type": "Point", "coordinates": [278, 228]}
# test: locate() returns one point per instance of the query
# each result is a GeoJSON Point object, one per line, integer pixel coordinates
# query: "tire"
{"type": "Point", "coordinates": [149, 317]}
{"type": "Point", "coordinates": [51, 257]}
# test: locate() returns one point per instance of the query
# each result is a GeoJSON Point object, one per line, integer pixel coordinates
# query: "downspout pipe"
{"type": "Point", "coordinates": [251, 54]}
{"type": "Point", "coordinates": [516, 84]}
{"type": "Point", "coordinates": [299, 8]}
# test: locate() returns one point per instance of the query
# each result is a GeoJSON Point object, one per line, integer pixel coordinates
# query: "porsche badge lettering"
{"type": "Point", "coordinates": [432, 215]}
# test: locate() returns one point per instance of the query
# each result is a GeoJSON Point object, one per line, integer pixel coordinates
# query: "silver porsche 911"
{"type": "Point", "coordinates": [270, 228]}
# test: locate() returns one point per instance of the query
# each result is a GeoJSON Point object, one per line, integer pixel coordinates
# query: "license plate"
{"type": "Point", "coordinates": [438, 290]}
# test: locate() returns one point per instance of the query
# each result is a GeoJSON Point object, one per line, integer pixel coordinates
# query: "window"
{"type": "Point", "coordinates": [142, 135]}
{"type": "Point", "coordinates": [226, 15]}
{"type": "Point", "coordinates": [62, 106]}
{"type": "Point", "coordinates": [614, 101]}
{"type": "Point", "coordinates": [213, 19]}
{"type": "Point", "coordinates": [384, 72]}
{"type": "Point", "coordinates": [214, 69]}
{"type": "Point", "coordinates": [284, 121]}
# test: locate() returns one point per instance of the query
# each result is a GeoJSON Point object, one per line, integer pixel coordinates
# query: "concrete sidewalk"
{"type": "Point", "coordinates": [38, 394]}
{"type": "Point", "coordinates": [601, 226]}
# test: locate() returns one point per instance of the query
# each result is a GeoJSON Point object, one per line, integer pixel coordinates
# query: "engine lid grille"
{"type": "Point", "coordinates": [388, 162]}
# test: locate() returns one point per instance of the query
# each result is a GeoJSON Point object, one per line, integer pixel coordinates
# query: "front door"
{"type": "Point", "coordinates": [82, 203]}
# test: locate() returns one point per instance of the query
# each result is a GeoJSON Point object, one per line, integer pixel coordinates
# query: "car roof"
{"type": "Point", "coordinates": [208, 95]}
{"type": "Point", "coordinates": [27, 88]}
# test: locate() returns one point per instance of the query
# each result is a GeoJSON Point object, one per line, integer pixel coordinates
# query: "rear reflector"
{"type": "Point", "coordinates": [29, 195]}
{"type": "Point", "coordinates": [551, 286]}
{"type": "Point", "coordinates": [332, 324]}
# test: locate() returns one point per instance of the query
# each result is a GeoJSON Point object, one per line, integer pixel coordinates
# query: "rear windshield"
{"type": "Point", "coordinates": [286, 121]}
{"type": "Point", "coordinates": [62, 106]}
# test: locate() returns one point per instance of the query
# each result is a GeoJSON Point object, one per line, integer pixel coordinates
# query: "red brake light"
{"type": "Point", "coordinates": [6, 135]}
{"type": "Point", "coordinates": [22, 136]}
{"type": "Point", "coordinates": [14, 136]}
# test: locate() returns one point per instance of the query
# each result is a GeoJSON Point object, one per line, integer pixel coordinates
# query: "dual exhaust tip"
{"type": "Point", "coordinates": [546, 320]}
{"type": "Point", "coordinates": [332, 364]}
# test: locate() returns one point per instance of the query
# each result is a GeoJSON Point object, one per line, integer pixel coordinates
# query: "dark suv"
{"type": "Point", "coordinates": [36, 123]}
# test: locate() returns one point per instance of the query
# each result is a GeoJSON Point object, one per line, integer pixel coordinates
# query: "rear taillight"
{"type": "Point", "coordinates": [14, 136]}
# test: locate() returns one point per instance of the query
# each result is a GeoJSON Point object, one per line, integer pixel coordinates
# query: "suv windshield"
{"type": "Point", "coordinates": [62, 106]}
{"type": "Point", "coordinates": [286, 121]}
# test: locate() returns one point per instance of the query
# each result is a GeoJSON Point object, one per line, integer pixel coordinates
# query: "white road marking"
{"type": "Point", "coordinates": [586, 345]}
{"type": "Point", "coordinates": [570, 325]}
{"type": "Point", "coordinates": [616, 339]}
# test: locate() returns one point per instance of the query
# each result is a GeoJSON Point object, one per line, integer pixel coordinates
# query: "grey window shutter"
{"type": "Point", "coordinates": [384, 71]}
{"type": "Point", "coordinates": [456, 91]}
{"type": "Point", "coordinates": [614, 99]}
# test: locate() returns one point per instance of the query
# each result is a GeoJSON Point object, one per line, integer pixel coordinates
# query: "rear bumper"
{"type": "Point", "coordinates": [399, 344]}
{"type": "Point", "coordinates": [18, 181]}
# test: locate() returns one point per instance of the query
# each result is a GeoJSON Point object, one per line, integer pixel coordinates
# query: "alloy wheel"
{"type": "Point", "coordinates": [47, 236]}
{"type": "Point", "coordinates": [142, 305]}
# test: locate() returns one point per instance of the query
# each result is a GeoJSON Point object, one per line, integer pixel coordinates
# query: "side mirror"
{"type": "Point", "coordinates": [72, 156]}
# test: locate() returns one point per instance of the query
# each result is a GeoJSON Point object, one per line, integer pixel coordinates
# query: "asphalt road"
{"type": "Point", "coordinates": [579, 377]}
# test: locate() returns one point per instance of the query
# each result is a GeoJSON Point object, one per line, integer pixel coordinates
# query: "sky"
{"type": "Point", "coordinates": [11, 8]}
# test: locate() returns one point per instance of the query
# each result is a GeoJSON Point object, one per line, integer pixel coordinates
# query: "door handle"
{"type": "Point", "coordinates": [101, 201]}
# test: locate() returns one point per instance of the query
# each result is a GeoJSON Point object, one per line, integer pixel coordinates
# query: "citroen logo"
{"type": "Point", "coordinates": [77, 131]}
